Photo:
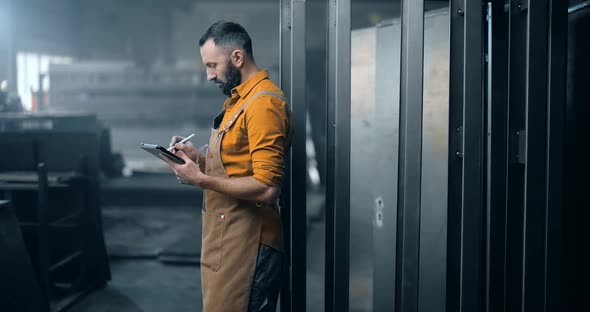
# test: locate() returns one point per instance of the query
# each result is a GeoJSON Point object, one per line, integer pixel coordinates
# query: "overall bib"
{"type": "Point", "coordinates": [232, 230]}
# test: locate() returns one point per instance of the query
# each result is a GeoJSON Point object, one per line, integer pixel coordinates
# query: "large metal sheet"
{"type": "Point", "coordinates": [375, 157]}
{"type": "Point", "coordinates": [338, 157]}
{"type": "Point", "coordinates": [435, 138]}
{"type": "Point", "coordinates": [576, 200]}
{"type": "Point", "coordinates": [366, 165]}
{"type": "Point", "coordinates": [293, 209]}
{"type": "Point", "coordinates": [386, 120]}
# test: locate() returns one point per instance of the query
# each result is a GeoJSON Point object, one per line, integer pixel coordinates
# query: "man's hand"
{"type": "Point", "coordinates": [247, 188]}
{"type": "Point", "coordinates": [187, 173]}
{"type": "Point", "coordinates": [189, 150]}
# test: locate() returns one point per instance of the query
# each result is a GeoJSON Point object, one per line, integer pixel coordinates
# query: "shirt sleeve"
{"type": "Point", "coordinates": [267, 122]}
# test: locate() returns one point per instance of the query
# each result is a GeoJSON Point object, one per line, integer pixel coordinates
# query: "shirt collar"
{"type": "Point", "coordinates": [244, 88]}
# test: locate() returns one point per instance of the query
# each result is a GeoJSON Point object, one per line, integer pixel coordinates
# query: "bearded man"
{"type": "Point", "coordinates": [240, 174]}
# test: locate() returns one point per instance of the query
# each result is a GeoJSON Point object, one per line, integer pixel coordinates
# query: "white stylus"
{"type": "Point", "coordinates": [181, 141]}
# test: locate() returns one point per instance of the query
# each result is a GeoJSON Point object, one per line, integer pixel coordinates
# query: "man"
{"type": "Point", "coordinates": [240, 174]}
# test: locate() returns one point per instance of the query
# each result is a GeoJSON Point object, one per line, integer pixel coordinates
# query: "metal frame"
{"type": "Point", "coordinates": [9, 60]}
{"type": "Point", "coordinates": [293, 73]}
{"type": "Point", "coordinates": [525, 156]}
{"type": "Point", "coordinates": [496, 157]}
{"type": "Point", "coordinates": [578, 7]}
{"type": "Point", "coordinates": [410, 155]}
{"type": "Point", "coordinates": [533, 277]}
{"type": "Point", "coordinates": [387, 102]}
{"type": "Point", "coordinates": [434, 165]}
{"type": "Point", "coordinates": [515, 173]}
{"type": "Point", "coordinates": [43, 235]}
{"type": "Point", "coordinates": [493, 250]}
{"type": "Point", "coordinates": [465, 240]}
{"type": "Point", "coordinates": [556, 108]}
{"type": "Point", "coordinates": [338, 158]}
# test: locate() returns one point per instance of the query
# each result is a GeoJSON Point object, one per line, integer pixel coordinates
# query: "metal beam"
{"type": "Point", "coordinates": [515, 175]}
{"type": "Point", "coordinates": [533, 262]}
{"type": "Point", "coordinates": [293, 212]}
{"type": "Point", "coordinates": [496, 158]}
{"type": "Point", "coordinates": [338, 158]}
{"type": "Point", "coordinates": [466, 264]}
{"type": "Point", "coordinates": [410, 155]}
{"type": "Point", "coordinates": [556, 107]}
{"type": "Point", "coordinates": [472, 208]}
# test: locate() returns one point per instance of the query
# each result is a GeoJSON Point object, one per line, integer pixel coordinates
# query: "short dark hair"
{"type": "Point", "coordinates": [228, 35]}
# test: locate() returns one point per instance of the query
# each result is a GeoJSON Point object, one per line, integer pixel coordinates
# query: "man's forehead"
{"type": "Point", "coordinates": [210, 50]}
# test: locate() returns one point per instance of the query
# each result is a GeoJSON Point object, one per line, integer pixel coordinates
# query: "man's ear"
{"type": "Point", "coordinates": [237, 58]}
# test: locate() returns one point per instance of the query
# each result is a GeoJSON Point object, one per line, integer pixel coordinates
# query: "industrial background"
{"type": "Point", "coordinates": [438, 162]}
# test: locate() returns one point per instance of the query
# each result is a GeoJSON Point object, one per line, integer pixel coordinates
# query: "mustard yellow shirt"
{"type": "Point", "coordinates": [257, 142]}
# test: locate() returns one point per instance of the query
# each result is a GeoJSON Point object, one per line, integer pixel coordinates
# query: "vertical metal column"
{"type": "Point", "coordinates": [517, 38]}
{"type": "Point", "coordinates": [43, 235]}
{"type": "Point", "coordinates": [384, 130]}
{"type": "Point", "coordinates": [466, 267]}
{"type": "Point", "coordinates": [496, 158]}
{"type": "Point", "coordinates": [7, 53]}
{"type": "Point", "coordinates": [292, 73]}
{"type": "Point", "coordinates": [432, 278]}
{"type": "Point", "coordinates": [556, 107]}
{"type": "Point", "coordinates": [534, 159]}
{"type": "Point", "coordinates": [533, 262]}
{"type": "Point", "coordinates": [338, 158]}
{"type": "Point", "coordinates": [410, 155]}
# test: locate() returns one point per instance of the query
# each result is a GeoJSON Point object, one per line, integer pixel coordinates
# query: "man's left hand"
{"type": "Point", "coordinates": [187, 173]}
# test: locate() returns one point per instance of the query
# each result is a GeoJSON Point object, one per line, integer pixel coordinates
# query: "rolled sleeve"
{"type": "Point", "coordinates": [268, 129]}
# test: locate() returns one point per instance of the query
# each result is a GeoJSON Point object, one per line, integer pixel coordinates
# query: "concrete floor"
{"type": "Point", "coordinates": [136, 237]}
{"type": "Point", "coordinates": [143, 281]}
{"type": "Point", "coordinates": [147, 285]}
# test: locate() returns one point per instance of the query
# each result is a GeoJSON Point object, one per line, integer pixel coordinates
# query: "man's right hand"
{"type": "Point", "coordinates": [189, 149]}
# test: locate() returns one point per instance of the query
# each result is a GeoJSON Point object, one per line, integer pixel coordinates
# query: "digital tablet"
{"type": "Point", "coordinates": [161, 152]}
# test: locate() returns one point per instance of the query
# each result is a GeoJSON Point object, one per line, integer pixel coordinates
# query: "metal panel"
{"type": "Point", "coordinates": [577, 168]}
{"type": "Point", "coordinates": [19, 290]}
{"type": "Point", "coordinates": [555, 151]}
{"type": "Point", "coordinates": [385, 199]}
{"type": "Point", "coordinates": [410, 152]}
{"type": "Point", "coordinates": [368, 132]}
{"type": "Point", "coordinates": [457, 27]}
{"type": "Point", "coordinates": [466, 163]}
{"type": "Point", "coordinates": [316, 50]}
{"type": "Point", "coordinates": [533, 275]}
{"type": "Point", "coordinates": [293, 79]}
{"type": "Point", "coordinates": [496, 157]}
{"type": "Point", "coordinates": [515, 176]}
{"type": "Point", "coordinates": [7, 49]}
{"type": "Point", "coordinates": [435, 138]}
{"type": "Point", "coordinates": [471, 295]}
{"type": "Point", "coordinates": [374, 157]}
{"type": "Point", "coordinates": [338, 157]}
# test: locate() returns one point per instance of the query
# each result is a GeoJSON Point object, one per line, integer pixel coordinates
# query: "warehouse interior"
{"type": "Point", "coordinates": [438, 161]}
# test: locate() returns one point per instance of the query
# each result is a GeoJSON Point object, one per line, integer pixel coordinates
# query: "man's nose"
{"type": "Point", "coordinates": [211, 75]}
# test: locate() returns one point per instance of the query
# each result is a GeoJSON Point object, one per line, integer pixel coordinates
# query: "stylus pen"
{"type": "Point", "coordinates": [181, 141]}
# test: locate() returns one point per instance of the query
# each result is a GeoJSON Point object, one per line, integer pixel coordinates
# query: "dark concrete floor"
{"type": "Point", "coordinates": [147, 285]}
{"type": "Point", "coordinates": [136, 237]}
{"type": "Point", "coordinates": [143, 281]}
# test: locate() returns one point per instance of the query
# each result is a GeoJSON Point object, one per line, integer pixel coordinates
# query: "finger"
{"type": "Point", "coordinates": [183, 155]}
{"type": "Point", "coordinates": [187, 146]}
{"type": "Point", "coordinates": [175, 139]}
{"type": "Point", "coordinates": [180, 146]}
